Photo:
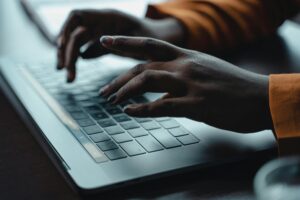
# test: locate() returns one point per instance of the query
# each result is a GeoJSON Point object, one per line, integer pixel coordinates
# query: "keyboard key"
{"type": "Point", "coordinates": [92, 129]}
{"type": "Point", "coordinates": [130, 125]}
{"type": "Point", "coordinates": [112, 130]}
{"type": "Point", "coordinates": [107, 105]}
{"type": "Point", "coordinates": [51, 84]}
{"type": "Point", "coordinates": [67, 102]}
{"type": "Point", "coordinates": [115, 154]}
{"type": "Point", "coordinates": [81, 97]}
{"type": "Point", "coordinates": [99, 137]}
{"type": "Point", "coordinates": [170, 124]}
{"type": "Point", "coordinates": [137, 132]}
{"type": "Point", "coordinates": [178, 131]}
{"type": "Point", "coordinates": [141, 120]}
{"type": "Point", "coordinates": [85, 122]}
{"type": "Point", "coordinates": [86, 103]}
{"type": "Point", "coordinates": [99, 100]}
{"type": "Point", "coordinates": [107, 145]}
{"type": "Point", "coordinates": [79, 115]}
{"type": "Point", "coordinates": [188, 139]}
{"type": "Point", "coordinates": [72, 108]}
{"type": "Point", "coordinates": [88, 88]}
{"type": "Point", "coordinates": [149, 143]}
{"type": "Point", "coordinates": [121, 118]}
{"type": "Point", "coordinates": [54, 90]}
{"type": "Point", "coordinates": [165, 138]}
{"type": "Point", "coordinates": [150, 125]}
{"type": "Point", "coordinates": [99, 115]}
{"type": "Point", "coordinates": [132, 148]}
{"type": "Point", "coordinates": [89, 146]}
{"type": "Point", "coordinates": [114, 111]}
{"type": "Point", "coordinates": [160, 119]}
{"type": "Point", "coordinates": [92, 109]}
{"type": "Point", "coordinates": [73, 91]}
{"type": "Point", "coordinates": [94, 94]}
{"type": "Point", "coordinates": [123, 137]}
{"type": "Point", "coordinates": [106, 123]}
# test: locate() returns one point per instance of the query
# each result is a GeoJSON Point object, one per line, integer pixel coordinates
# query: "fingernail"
{"type": "Point", "coordinates": [103, 90]}
{"type": "Point", "coordinates": [59, 66]}
{"type": "Point", "coordinates": [112, 98]}
{"type": "Point", "coordinates": [128, 109]}
{"type": "Point", "coordinates": [106, 40]}
{"type": "Point", "coordinates": [70, 77]}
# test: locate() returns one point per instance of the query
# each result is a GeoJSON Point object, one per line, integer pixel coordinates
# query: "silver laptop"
{"type": "Point", "coordinates": [94, 144]}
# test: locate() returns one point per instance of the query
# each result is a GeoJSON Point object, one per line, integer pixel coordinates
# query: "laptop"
{"type": "Point", "coordinates": [94, 144]}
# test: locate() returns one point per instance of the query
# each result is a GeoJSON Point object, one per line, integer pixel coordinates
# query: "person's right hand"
{"type": "Point", "coordinates": [87, 26]}
{"type": "Point", "coordinates": [197, 86]}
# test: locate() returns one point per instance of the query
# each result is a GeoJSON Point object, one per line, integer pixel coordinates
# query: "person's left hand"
{"type": "Point", "coordinates": [198, 86]}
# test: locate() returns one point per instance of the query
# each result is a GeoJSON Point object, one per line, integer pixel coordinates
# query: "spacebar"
{"type": "Point", "coordinates": [96, 154]}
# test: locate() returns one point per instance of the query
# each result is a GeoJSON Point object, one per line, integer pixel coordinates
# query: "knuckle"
{"type": "Point", "coordinates": [116, 83]}
{"type": "Point", "coordinates": [138, 69]}
{"type": "Point", "coordinates": [147, 76]}
{"type": "Point", "coordinates": [74, 35]}
{"type": "Point", "coordinates": [150, 42]}
{"type": "Point", "coordinates": [74, 13]}
{"type": "Point", "coordinates": [121, 93]}
{"type": "Point", "coordinates": [190, 62]}
{"type": "Point", "coordinates": [187, 68]}
{"type": "Point", "coordinates": [118, 41]}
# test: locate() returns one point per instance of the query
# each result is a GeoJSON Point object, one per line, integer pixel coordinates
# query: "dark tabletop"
{"type": "Point", "coordinates": [27, 173]}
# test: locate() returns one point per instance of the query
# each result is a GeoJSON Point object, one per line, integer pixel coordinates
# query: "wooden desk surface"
{"type": "Point", "coordinates": [27, 173]}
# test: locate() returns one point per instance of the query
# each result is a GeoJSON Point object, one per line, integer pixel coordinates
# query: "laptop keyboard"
{"type": "Point", "coordinates": [106, 126]}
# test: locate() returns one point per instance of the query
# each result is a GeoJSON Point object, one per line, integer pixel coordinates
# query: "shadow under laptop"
{"type": "Point", "coordinates": [233, 179]}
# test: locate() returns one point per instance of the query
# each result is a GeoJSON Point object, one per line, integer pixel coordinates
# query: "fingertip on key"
{"type": "Point", "coordinates": [103, 90]}
{"type": "Point", "coordinates": [129, 109]}
{"type": "Point", "coordinates": [70, 77]}
{"type": "Point", "coordinates": [106, 40]}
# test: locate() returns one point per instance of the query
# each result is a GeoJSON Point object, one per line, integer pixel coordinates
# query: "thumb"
{"type": "Point", "coordinates": [147, 48]}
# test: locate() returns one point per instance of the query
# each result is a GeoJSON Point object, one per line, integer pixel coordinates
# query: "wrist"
{"type": "Point", "coordinates": [263, 81]}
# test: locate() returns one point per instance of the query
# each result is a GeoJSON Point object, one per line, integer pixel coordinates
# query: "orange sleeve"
{"type": "Point", "coordinates": [284, 98]}
{"type": "Point", "coordinates": [212, 25]}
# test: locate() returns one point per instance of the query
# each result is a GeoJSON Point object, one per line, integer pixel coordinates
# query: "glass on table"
{"type": "Point", "coordinates": [279, 180]}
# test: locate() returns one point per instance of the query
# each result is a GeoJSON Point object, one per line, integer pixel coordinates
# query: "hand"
{"type": "Point", "coordinates": [87, 26]}
{"type": "Point", "coordinates": [197, 86]}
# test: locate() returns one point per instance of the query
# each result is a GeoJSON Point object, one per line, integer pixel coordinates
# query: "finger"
{"type": "Point", "coordinates": [147, 48]}
{"type": "Point", "coordinates": [69, 26]}
{"type": "Point", "coordinates": [118, 82]}
{"type": "Point", "coordinates": [167, 96]}
{"type": "Point", "coordinates": [126, 54]}
{"type": "Point", "coordinates": [149, 81]}
{"type": "Point", "coordinates": [174, 107]}
{"type": "Point", "coordinates": [94, 50]}
{"type": "Point", "coordinates": [79, 37]}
